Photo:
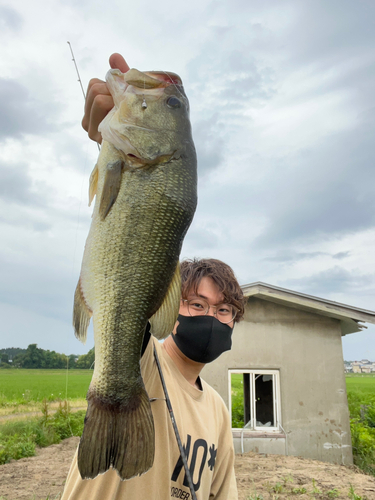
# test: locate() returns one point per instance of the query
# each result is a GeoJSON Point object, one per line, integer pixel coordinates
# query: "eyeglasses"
{"type": "Point", "coordinates": [225, 313]}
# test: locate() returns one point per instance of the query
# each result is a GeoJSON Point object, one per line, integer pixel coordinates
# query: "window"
{"type": "Point", "coordinates": [254, 399]}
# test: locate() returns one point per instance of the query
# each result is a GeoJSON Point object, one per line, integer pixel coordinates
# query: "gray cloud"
{"type": "Point", "coordinates": [292, 256]}
{"type": "Point", "coordinates": [203, 238]}
{"type": "Point", "coordinates": [335, 280]}
{"type": "Point", "coordinates": [208, 143]}
{"type": "Point", "coordinates": [230, 81]}
{"type": "Point", "coordinates": [327, 192]}
{"type": "Point", "coordinates": [10, 19]}
{"type": "Point", "coordinates": [21, 113]}
{"type": "Point", "coordinates": [320, 39]}
{"type": "Point", "coordinates": [341, 255]}
{"type": "Point", "coordinates": [16, 184]}
{"type": "Point", "coordinates": [43, 289]}
{"type": "Point", "coordinates": [289, 256]}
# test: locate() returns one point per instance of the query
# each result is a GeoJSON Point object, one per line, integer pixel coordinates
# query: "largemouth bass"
{"type": "Point", "coordinates": [145, 187]}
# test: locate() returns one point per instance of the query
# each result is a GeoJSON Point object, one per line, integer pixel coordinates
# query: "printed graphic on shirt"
{"type": "Point", "coordinates": [198, 461]}
{"type": "Point", "coordinates": [179, 493]}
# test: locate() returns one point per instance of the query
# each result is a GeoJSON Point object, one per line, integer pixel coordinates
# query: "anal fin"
{"type": "Point", "coordinates": [163, 321]}
{"type": "Point", "coordinates": [81, 314]}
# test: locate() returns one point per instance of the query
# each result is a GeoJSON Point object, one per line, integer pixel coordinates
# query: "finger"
{"type": "Point", "coordinates": [101, 106]}
{"type": "Point", "coordinates": [96, 88]}
{"type": "Point", "coordinates": [116, 61]}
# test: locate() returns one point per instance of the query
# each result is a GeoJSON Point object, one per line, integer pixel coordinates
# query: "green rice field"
{"type": "Point", "coordinates": [26, 386]}
{"type": "Point", "coordinates": [362, 384]}
{"type": "Point", "coordinates": [18, 386]}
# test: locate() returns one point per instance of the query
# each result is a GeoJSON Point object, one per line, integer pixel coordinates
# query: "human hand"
{"type": "Point", "coordinates": [99, 100]}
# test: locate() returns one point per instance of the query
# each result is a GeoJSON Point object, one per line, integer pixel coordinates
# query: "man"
{"type": "Point", "coordinates": [211, 302]}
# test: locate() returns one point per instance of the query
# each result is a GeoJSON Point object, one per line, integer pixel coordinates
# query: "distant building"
{"type": "Point", "coordinates": [288, 355]}
{"type": "Point", "coordinates": [363, 366]}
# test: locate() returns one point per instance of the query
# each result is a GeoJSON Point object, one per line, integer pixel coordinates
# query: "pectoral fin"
{"type": "Point", "coordinates": [93, 183]}
{"type": "Point", "coordinates": [111, 188]}
{"type": "Point", "coordinates": [163, 321]}
{"type": "Point", "coordinates": [81, 314]}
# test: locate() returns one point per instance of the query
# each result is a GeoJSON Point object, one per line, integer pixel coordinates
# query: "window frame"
{"type": "Point", "coordinates": [276, 399]}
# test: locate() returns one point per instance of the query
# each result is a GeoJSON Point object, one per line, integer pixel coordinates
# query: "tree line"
{"type": "Point", "coordinates": [34, 357]}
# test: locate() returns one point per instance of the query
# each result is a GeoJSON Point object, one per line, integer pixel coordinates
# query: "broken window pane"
{"type": "Point", "coordinates": [254, 399]}
{"type": "Point", "coordinates": [264, 409]}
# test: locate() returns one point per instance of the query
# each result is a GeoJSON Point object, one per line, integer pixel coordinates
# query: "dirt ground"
{"type": "Point", "coordinates": [259, 477]}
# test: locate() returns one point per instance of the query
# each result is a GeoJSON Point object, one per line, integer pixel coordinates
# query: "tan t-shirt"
{"type": "Point", "coordinates": [204, 426]}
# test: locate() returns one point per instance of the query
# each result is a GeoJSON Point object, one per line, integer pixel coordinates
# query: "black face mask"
{"type": "Point", "coordinates": [202, 338]}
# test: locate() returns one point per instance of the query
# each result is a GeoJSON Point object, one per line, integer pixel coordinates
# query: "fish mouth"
{"type": "Point", "coordinates": [151, 79]}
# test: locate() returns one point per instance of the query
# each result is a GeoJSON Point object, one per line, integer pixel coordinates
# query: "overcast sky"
{"type": "Point", "coordinates": [282, 108]}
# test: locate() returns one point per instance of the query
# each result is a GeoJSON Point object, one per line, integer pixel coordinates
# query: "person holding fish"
{"type": "Point", "coordinates": [144, 394]}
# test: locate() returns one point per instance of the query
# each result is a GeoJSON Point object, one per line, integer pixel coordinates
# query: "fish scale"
{"type": "Point", "coordinates": [145, 187]}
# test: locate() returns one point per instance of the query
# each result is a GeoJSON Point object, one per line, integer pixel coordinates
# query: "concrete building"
{"type": "Point", "coordinates": [357, 368]}
{"type": "Point", "coordinates": [286, 371]}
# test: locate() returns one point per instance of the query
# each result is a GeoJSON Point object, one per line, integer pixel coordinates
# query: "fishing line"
{"type": "Point", "coordinates": [173, 83]}
{"type": "Point", "coordinates": [79, 209]}
{"type": "Point", "coordinates": [66, 396]}
{"type": "Point", "coordinates": [79, 216]}
{"type": "Point", "coordinates": [175, 428]}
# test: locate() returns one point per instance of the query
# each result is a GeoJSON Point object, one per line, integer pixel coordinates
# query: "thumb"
{"type": "Point", "coordinates": [116, 61]}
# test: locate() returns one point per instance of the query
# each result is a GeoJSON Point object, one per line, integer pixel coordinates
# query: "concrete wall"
{"type": "Point", "coordinates": [307, 350]}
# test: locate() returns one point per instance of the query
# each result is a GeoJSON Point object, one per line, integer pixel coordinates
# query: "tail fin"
{"type": "Point", "coordinates": [117, 435]}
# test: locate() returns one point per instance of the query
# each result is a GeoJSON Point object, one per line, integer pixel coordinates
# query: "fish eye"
{"type": "Point", "coordinates": [173, 102]}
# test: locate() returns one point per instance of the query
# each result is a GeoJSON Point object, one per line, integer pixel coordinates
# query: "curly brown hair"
{"type": "Point", "coordinates": [193, 270]}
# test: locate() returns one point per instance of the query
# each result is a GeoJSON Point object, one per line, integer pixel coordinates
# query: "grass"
{"type": "Point", "coordinates": [237, 400]}
{"type": "Point", "coordinates": [361, 400]}
{"type": "Point", "coordinates": [361, 383]}
{"type": "Point", "coordinates": [19, 439]}
{"type": "Point", "coordinates": [20, 387]}
{"type": "Point", "coordinates": [42, 391]}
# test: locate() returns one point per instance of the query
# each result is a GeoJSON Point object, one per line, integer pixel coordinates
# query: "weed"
{"type": "Point", "coordinates": [334, 493]}
{"type": "Point", "coordinates": [252, 496]}
{"type": "Point", "coordinates": [299, 491]}
{"type": "Point", "coordinates": [315, 490]}
{"type": "Point", "coordinates": [278, 488]}
{"type": "Point", "coordinates": [19, 439]}
{"type": "Point", "coordinates": [353, 496]}
{"type": "Point", "coordinates": [288, 479]}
